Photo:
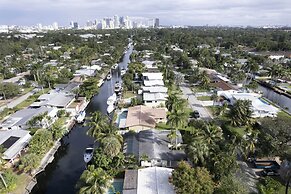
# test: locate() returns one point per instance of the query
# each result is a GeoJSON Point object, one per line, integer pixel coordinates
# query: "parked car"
{"type": "Point", "coordinates": [270, 172]}
{"type": "Point", "coordinates": [195, 114]}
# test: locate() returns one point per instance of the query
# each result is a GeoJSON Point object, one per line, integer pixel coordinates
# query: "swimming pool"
{"type": "Point", "coordinates": [117, 187]}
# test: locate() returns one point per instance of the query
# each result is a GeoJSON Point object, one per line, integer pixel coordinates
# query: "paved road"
{"type": "Point", "coordinates": [194, 103]}
{"type": "Point", "coordinates": [17, 101]}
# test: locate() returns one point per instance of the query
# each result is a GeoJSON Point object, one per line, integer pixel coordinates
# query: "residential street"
{"type": "Point", "coordinates": [194, 103]}
{"type": "Point", "coordinates": [17, 101]}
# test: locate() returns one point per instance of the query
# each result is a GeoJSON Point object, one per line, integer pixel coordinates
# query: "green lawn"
{"type": "Point", "coordinates": [31, 99]}
{"type": "Point", "coordinates": [128, 94]}
{"type": "Point", "coordinates": [199, 89]}
{"type": "Point", "coordinates": [204, 98]}
{"type": "Point", "coordinates": [162, 126]}
{"type": "Point", "coordinates": [213, 109]}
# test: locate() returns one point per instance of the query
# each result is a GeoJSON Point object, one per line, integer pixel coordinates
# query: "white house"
{"type": "Point", "coordinates": [154, 99]}
{"type": "Point", "coordinates": [153, 79]}
{"type": "Point", "coordinates": [259, 107]}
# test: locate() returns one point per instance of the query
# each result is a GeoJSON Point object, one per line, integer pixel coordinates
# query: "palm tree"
{"type": "Point", "coordinates": [251, 140]}
{"type": "Point", "coordinates": [94, 181]}
{"type": "Point", "coordinates": [205, 80]}
{"type": "Point", "coordinates": [197, 151]}
{"type": "Point", "coordinates": [97, 123]}
{"type": "Point", "coordinates": [213, 133]}
{"type": "Point", "coordinates": [215, 98]}
{"type": "Point", "coordinates": [240, 113]}
{"type": "Point", "coordinates": [111, 146]}
{"type": "Point", "coordinates": [222, 109]}
{"type": "Point", "coordinates": [177, 119]}
{"type": "Point", "coordinates": [171, 99]}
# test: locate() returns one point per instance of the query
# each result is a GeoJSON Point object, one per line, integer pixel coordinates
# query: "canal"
{"type": "Point", "coordinates": [283, 101]}
{"type": "Point", "coordinates": [61, 176]}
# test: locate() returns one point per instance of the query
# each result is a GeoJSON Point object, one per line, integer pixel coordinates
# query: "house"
{"type": "Point", "coordinates": [155, 99]}
{"type": "Point", "coordinates": [20, 119]}
{"type": "Point", "coordinates": [143, 117]}
{"type": "Point", "coordinates": [156, 146]}
{"type": "Point", "coordinates": [151, 67]}
{"type": "Point", "coordinates": [13, 141]}
{"type": "Point", "coordinates": [152, 180]}
{"type": "Point", "coordinates": [87, 71]}
{"type": "Point", "coordinates": [155, 89]}
{"type": "Point", "coordinates": [259, 107]}
{"type": "Point", "coordinates": [276, 57]}
{"type": "Point", "coordinates": [153, 79]}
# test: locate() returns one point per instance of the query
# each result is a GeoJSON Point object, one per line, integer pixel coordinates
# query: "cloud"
{"type": "Point", "coordinates": [190, 12]}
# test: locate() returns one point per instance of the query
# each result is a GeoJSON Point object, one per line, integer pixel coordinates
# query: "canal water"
{"type": "Point", "coordinates": [61, 176]}
{"type": "Point", "coordinates": [283, 101]}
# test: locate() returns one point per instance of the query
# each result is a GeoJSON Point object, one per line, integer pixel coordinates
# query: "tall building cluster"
{"type": "Point", "coordinates": [115, 22]}
{"type": "Point", "coordinates": [123, 22]}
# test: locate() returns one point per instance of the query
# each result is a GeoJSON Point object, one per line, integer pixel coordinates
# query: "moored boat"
{"type": "Point", "coordinates": [110, 108]}
{"type": "Point", "coordinates": [109, 77]}
{"type": "Point", "coordinates": [81, 117]}
{"type": "Point", "coordinates": [88, 155]}
{"type": "Point", "coordinates": [112, 99]}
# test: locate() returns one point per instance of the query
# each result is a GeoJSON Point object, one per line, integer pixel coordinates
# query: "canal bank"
{"type": "Point", "coordinates": [62, 174]}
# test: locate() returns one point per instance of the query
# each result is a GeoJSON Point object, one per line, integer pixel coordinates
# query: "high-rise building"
{"type": "Point", "coordinates": [116, 21]}
{"type": "Point", "coordinates": [74, 25]}
{"type": "Point", "coordinates": [157, 23]}
{"type": "Point", "coordinates": [55, 26]}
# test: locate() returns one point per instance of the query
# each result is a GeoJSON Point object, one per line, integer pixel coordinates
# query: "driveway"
{"type": "Point", "coordinates": [194, 103]}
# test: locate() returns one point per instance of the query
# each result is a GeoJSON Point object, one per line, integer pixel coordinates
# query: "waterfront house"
{"type": "Point", "coordinates": [20, 119]}
{"type": "Point", "coordinates": [153, 79]}
{"type": "Point", "coordinates": [13, 141]}
{"type": "Point", "coordinates": [143, 117]}
{"type": "Point", "coordinates": [260, 107]}
{"type": "Point", "coordinates": [151, 180]}
{"type": "Point", "coordinates": [155, 99]}
{"type": "Point", "coordinates": [153, 148]}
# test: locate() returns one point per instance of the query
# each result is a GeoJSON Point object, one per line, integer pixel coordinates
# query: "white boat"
{"type": "Point", "coordinates": [81, 117]}
{"type": "Point", "coordinates": [122, 72]}
{"type": "Point", "coordinates": [109, 77]}
{"type": "Point", "coordinates": [117, 87]}
{"type": "Point", "coordinates": [110, 108]}
{"type": "Point", "coordinates": [114, 66]}
{"type": "Point", "coordinates": [88, 155]}
{"type": "Point", "coordinates": [112, 99]}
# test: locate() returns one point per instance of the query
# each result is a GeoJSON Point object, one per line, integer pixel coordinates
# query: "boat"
{"type": "Point", "coordinates": [122, 71]}
{"type": "Point", "coordinates": [112, 99]}
{"type": "Point", "coordinates": [109, 77]}
{"type": "Point", "coordinates": [88, 155]}
{"type": "Point", "coordinates": [117, 87]}
{"type": "Point", "coordinates": [114, 66]}
{"type": "Point", "coordinates": [110, 108]}
{"type": "Point", "coordinates": [81, 117]}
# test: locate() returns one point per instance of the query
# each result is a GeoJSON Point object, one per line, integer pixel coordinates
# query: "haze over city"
{"type": "Point", "coordinates": [170, 12]}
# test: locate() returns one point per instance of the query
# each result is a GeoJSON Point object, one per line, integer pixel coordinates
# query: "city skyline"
{"type": "Point", "coordinates": [184, 12]}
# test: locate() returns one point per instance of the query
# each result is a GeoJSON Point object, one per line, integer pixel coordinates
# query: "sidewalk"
{"type": "Point", "coordinates": [194, 103]}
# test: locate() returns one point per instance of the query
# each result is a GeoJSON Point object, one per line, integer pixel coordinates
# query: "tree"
{"type": "Point", "coordinates": [29, 162]}
{"type": "Point", "coordinates": [10, 182]}
{"type": "Point", "coordinates": [177, 119]}
{"type": "Point", "coordinates": [58, 130]}
{"type": "Point", "coordinates": [212, 133]}
{"type": "Point", "coordinates": [268, 185]}
{"type": "Point", "coordinates": [96, 122]}
{"type": "Point", "coordinates": [111, 146]}
{"type": "Point", "coordinates": [240, 113]}
{"type": "Point", "coordinates": [231, 185]}
{"type": "Point", "coordinates": [197, 151]}
{"type": "Point", "coordinates": [205, 80]}
{"type": "Point", "coordinates": [9, 90]}
{"type": "Point", "coordinates": [94, 181]}
{"type": "Point", "coordinates": [171, 100]}
{"type": "Point", "coordinates": [191, 180]}
{"type": "Point", "coordinates": [215, 98]}
{"type": "Point", "coordinates": [41, 141]}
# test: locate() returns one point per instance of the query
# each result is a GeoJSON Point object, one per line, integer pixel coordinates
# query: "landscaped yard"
{"type": "Point", "coordinates": [31, 99]}
{"type": "Point", "coordinates": [128, 94]}
{"type": "Point", "coordinates": [204, 98]}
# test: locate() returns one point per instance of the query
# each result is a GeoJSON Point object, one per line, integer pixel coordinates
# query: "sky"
{"type": "Point", "coordinates": [170, 12]}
